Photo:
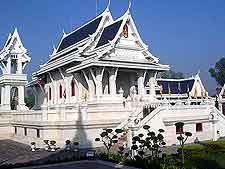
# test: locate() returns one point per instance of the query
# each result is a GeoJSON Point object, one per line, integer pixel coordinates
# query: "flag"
{"type": "Point", "coordinates": [188, 90]}
{"type": "Point", "coordinates": [202, 93]}
{"type": "Point", "coordinates": [196, 93]}
{"type": "Point", "coordinates": [179, 90]}
{"type": "Point", "coordinates": [161, 90]}
{"type": "Point", "coordinates": [169, 90]}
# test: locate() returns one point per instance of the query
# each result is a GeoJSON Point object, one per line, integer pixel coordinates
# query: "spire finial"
{"type": "Point", "coordinates": [15, 31]}
{"type": "Point", "coordinates": [109, 2]}
{"type": "Point", "coordinates": [54, 49]}
{"type": "Point", "coordinates": [129, 7]}
{"type": "Point", "coordinates": [64, 34]}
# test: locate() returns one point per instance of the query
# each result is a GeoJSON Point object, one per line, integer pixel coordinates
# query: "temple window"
{"type": "Point", "coordinates": [25, 131]}
{"type": "Point", "coordinates": [198, 127]}
{"type": "Point", "coordinates": [60, 91]}
{"type": "Point", "coordinates": [223, 108]}
{"type": "Point", "coordinates": [38, 133]}
{"type": "Point", "coordinates": [50, 93]}
{"type": "Point", "coordinates": [73, 88]}
{"type": "Point", "coordinates": [179, 130]}
{"type": "Point", "coordinates": [125, 31]}
{"type": "Point", "coordinates": [15, 130]}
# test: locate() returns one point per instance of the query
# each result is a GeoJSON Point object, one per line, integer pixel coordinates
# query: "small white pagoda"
{"type": "Point", "coordinates": [13, 59]}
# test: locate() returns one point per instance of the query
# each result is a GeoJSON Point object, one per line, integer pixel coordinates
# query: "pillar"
{"type": "Point", "coordinates": [68, 90]}
{"type": "Point", "coordinates": [21, 96]}
{"type": "Point", "coordinates": [141, 89]}
{"type": "Point", "coordinates": [8, 65]}
{"type": "Point", "coordinates": [91, 87]}
{"type": "Point", "coordinates": [55, 95]}
{"type": "Point", "coordinates": [2, 95]}
{"type": "Point", "coordinates": [99, 82]}
{"type": "Point", "coordinates": [112, 81]}
{"type": "Point", "coordinates": [19, 65]}
{"type": "Point", "coordinates": [7, 98]}
{"type": "Point", "coordinates": [152, 86]}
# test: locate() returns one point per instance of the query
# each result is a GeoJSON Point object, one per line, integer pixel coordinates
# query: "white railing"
{"type": "Point", "coordinates": [27, 116]}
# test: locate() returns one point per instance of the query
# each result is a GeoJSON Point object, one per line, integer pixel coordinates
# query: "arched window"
{"type": "Point", "coordinates": [60, 91]}
{"type": "Point", "coordinates": [73, 88]}
{"type": "Point", "coordinates": [125, 31]}
{"type": "Point", "coordinates": [49, 93]}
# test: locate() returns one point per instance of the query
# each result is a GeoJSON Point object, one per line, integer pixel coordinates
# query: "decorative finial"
{"type": "Point", "coordinates": [15, 32]}
{"type": "Point", "coordinates": [129, 7]}
{"type": "Point", "coordinates": [109, 2]}
{"type": "Point", "coordinates": [54, 49]}
{"type": "Point", "coordinates": [64, 34]}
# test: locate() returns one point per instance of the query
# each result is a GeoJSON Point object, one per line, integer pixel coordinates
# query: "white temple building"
{"type": "Point", "coordinates": [101, 75]}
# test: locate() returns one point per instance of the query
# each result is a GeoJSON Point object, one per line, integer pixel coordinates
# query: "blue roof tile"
{"type": "Point", "coordinates": [109, 33]}
{"type": "Point", "coordinates": [176, 87]}
{"type": "Point", "coordinates": [80, 34]}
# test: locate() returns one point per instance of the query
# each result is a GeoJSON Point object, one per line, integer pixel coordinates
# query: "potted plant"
{"type": "Point", "coordinates": [68, 145]}
{"type": "Point", "coordinates": [46, 145]}
{"type": "Point", "coordinates": [75, 145]}
{"type": "Point", "coordinates": [33, 146]}
{"type": "Point", "coordinates": [52, 145]}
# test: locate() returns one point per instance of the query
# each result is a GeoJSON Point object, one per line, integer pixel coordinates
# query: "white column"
{"type": "Point", "coordinates": [55, 92]}
{"type": "Point", "coordinates": [19, 65]}
{"type": "Point", "coordinates": [112, 81]}
{"type": "Point", "coordinates": [99, 82]}
{"type": "Point", "coordinates": [152, 86]}
{"type": "Point", "coordinates": [2, 95]}
{"type": "Point", "coordinates": [91, 87]}
{"type": "Point", "coordinates": [141, 90]}
{"type": "Point", "coordinates": [7, 98]}
{"type": "Point", "coordinates": [68, 90]}
{"type": "Point", "coordinates": [21, 95]}
{"type": "Point", "coordinates": [8, 65]}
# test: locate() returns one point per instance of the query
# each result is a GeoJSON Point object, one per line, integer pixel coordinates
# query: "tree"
{"type": "Point", "coordinates": [182, 138]}
{"type": "Point", "coordinates": [29, 101]}
{"type": "Point", "coordinates": [171, 75]}
{"type": "Point", "coordinates": [218, 72]}
{"type": "Point", "coordinates": [153, 142]}
{"type": "Point", "coordinates": [109, 138]}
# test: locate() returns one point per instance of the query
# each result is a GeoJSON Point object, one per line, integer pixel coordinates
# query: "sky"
{"type": "Point", "coordinates": [187, 35]}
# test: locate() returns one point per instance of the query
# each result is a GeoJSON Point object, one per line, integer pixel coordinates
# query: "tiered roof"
{"type": "Point", "coordinates": [89, 43]}
{"type": "Point", "coordinates": [192, 86]}
{"type": "Point", "coordinates": [180, 86]}
{"type": "Point", "coordinates": [12, 46]}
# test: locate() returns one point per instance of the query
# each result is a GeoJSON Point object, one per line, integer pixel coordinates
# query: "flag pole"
{"type": "Point", "coordinates": [96, 12]}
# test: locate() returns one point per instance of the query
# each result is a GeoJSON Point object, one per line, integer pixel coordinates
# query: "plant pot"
{"type": "Point", "coordinates": [52, 147]}
{"type": "Point", "coordinates": [33, 147]}
{"type": "Point", "coordinates": [46, 147]}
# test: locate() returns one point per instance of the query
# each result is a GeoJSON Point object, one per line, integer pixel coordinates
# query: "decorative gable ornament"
{"type": "Point", "coordinates": [125, 31]}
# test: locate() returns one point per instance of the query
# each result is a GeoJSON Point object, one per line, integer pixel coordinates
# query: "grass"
{"type": "Point", "coordinates": [207, 155]}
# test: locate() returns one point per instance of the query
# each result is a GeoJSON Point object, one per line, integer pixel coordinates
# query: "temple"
{"type": "Point", "coordinates": [102, 75]}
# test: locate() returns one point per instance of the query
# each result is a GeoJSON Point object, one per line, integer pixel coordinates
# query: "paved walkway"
{"type": "Point", "coordinates": [13, 152]}
{"type": "Point", "coordinates": [82, 165]}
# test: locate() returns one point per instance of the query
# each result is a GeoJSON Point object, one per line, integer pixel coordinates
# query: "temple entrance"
{"type": "Point", "coordinates": [223, 108]}
{"type": "Point", "coordinates": [14, 98]}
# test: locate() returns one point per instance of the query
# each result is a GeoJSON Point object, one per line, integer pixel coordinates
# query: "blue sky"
{"type": "Point", "coordinates": [187, 35]}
